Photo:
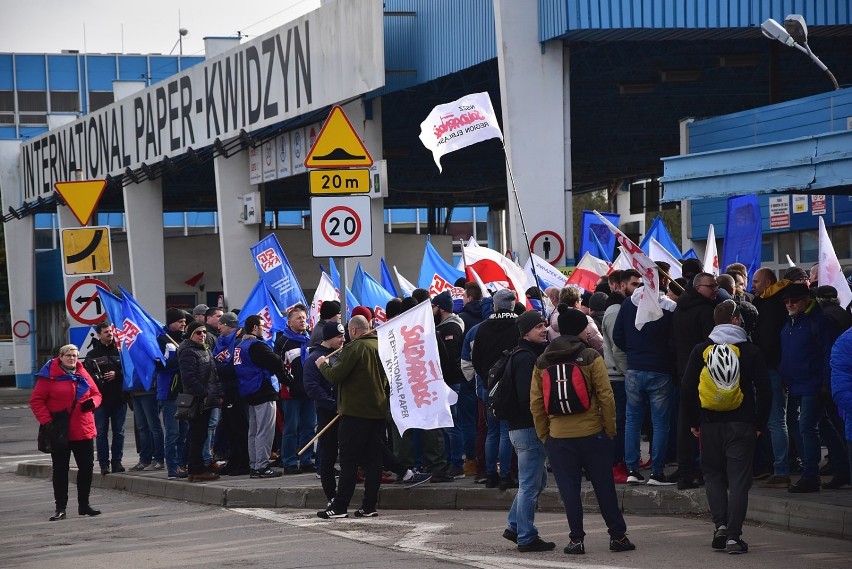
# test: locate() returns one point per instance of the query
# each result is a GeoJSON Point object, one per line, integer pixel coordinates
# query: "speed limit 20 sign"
{"type": "Point", "coordinates": [341, 226]}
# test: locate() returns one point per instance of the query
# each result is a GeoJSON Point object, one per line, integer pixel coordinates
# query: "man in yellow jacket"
{"type": "Point", "coordinates": [576, 422]}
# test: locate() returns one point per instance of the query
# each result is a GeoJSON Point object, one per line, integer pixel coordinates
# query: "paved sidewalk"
{"type": "Point", "coordinates": [828, 513]}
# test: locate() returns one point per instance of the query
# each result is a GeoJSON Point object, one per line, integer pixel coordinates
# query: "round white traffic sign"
{"type": "Point", "coordinates": [549, 246]}
{"type": "Point", "coordinates": [341, 226]}
{"type": "Point", "coordinates": [83, 302]}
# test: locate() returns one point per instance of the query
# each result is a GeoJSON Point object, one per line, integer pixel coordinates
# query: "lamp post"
{"type": "Point", "coordinates": [794, 33]}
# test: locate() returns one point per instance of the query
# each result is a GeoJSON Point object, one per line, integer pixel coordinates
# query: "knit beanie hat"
{"type": "Point", "coordinates": [571, 322]}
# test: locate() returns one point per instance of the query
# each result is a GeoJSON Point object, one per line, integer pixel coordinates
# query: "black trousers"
{"type": "Point", "coordinates": [197, 437]}
{"type": "Point", "coordinates": [328, 443]}
{"type": "Point", "coordinates": [727, 451]}
{"type": "Point", "coordinates": [360, 442]}
{"type": "Point", "coordinates": [235, 424]}
{"type": "Point", "coordinates": [84, 456]}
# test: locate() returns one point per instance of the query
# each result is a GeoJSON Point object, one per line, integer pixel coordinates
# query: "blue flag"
{"type": "Point", "coordinates": [351, 300]}
{"type": "Point", "coordinates": [277, 274]}
{"type": "Point", "coordinates": [743, 233]}
{"type": "Point", "coordinates": [691, 254]}
{"type": "Point", "coordinates": [436, 275]}
{"type": "Point", "coordinates": [387, 280]}
{"type": "Point", "coordinates": [373, 295]}
{"type": "Point", "coordinates": [139, 333]}
{"type": "Point", "coordinates": [595, 236]}
{"type": "Point", "coordinates": [357, 282]}
{"type": "Point", "coordinates": [113, 307]}
{"type": "Point", "coordinates": [260, 302]}
{"type": "Point", "coordinates": [659, 232]}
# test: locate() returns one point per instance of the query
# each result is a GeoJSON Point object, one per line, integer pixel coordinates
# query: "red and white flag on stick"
{"type": "Point", "coordinates": [492, 267]}
{"type": "Point", "coordinates": [195, 280]}
{"type": "Point", "coordinates": [325, 291]}
{"type": "Point", "coordinates": [830, 273]}
{"type": "Point", "coordinates": [649, 308]}
{"type": "Point", "coordinates": [459, 124]}
{"type": "Point", "coordinates": [588, 272]}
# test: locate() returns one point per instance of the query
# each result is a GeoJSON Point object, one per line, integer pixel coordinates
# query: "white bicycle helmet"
{"type": "Point", "coordinates": [724, 366]}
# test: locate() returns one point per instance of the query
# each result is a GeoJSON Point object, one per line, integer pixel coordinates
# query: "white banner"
{"type": "Point", "coordinates": [406, 285]}
{"type": "Point", "coordinates": [829, 271]}
{"type": "Point", "coordinates": [419, 398]}
{"type": "Point", "coordinates": [711, 255]}
{"type": "Point", "coordinates": [459, 124]}
{"type": "Point", "coordinates": [659, 253]}
{"type": "Point", "coordinates": [325, 291]}
{"type": "Point", "coordinates": [327, 56]}
{"type": "Point", "coordinates": [547, 273]}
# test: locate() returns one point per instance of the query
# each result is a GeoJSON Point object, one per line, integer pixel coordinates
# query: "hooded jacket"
{"type": "Point", "coordinates": [471, 314]}
{"type": "Point", "coordinates": [451, 333]}
{"type": "Point", "coordinates": [647, 349]}
{"type": "Point", "coordinates": [496, 334]}
{"type": "Point", "coordinates": [523, 364]}
{"type": "Point", "coordinates": [771, 316]}
{"type": "Point", "coordinates": [56, 390]}
{"type": "Point", "coordinates": [841, 378]}
{"type": "Point", "coordinates": [198, 372]}
{"type": "Point", "coordinates": [601, 413]}
{"type": "Point", "coordinates": [806, 342]}
{"type": "Point", "coordinates": [692, 322]}
{"type": "Point", "coordinates": [754, 382]}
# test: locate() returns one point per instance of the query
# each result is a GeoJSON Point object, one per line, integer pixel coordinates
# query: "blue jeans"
{"type": "Point", "coordinates": [497, 443]}
{"type": "Point", "coordinates": [777, 425]}
{"type": "Point", "coordinates": [215, 415]}
{"type": "Point", "coordinates": [453, 438]}
{"type": "Point", "coordinates": [104, 416]}
{"type": "Point", "coordinates": [532, 479]}
{"type": "Point", "coordinates": [813, 422]}
{"type": "Point", "coordinates": [147, 421]}
{"type": "Point", "coordinates": [300, 421]}
{"type": "Point", "coordinates": [656, 389]}
{"type": "Point", "coordinates": [176, 431]}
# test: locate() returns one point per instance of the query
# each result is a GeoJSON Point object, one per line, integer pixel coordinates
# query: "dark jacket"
{"type": "Point", "coordinates": [263, 356]}
{"type": "Point", "coordinates": [318, 388]}
{"type": "Point", "coordinates": [451, 334]}
{"type": "Point", "coordinates": [806, 343]}
{"type": "Point", "coordinates": [496, 334]}
{"type": "Point", "coordinates": [198, 373]}
{"type": "Point", "coordinates": [99, 360]}
{"type": "Point", "coordinates": [362, 386]}
{"type": "Point", "coordinates": [471, 314]}
{"type": "Point", "coordinates": [771, 315]}
{"type": "Point", "coordinates": [647, 349]}
{"type": "Point", "coordinates": [841, 318]}
{"type": "Point", "coordinates": [692, 322]}
{"type": "Point", "coordinates": [523, 364]}
{"type": "Point", "coordinates": [290, 351]}
{"type": "Point", "coordinates": [754, 383]}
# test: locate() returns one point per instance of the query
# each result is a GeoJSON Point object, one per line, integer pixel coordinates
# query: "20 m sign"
{"type": "Point", "coordinates": [341, 226]}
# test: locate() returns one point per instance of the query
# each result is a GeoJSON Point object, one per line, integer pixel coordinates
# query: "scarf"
{"type": "Point", "coordinates": [80, 383]}
{"type": "Point", "coordinates": [224, 350]}
{"type": "Point", "coordinates": [304, 339]}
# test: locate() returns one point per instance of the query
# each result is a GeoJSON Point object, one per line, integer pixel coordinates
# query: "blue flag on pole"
{"type": "Point", "coordinates": [277, 274]}
{"type": "Point", "coordinates": [373, 295]}
{"type": "Point", "coordinates": [595, 237]}
{"type": "Point", "coordinates": [436, 275]}
{"type": "Point", "coordinates": [351, 300]}
{"type": "Point", "coordinates": [139, 333]}
{"type": "Point", "coordinates": [659, 232]}
{"type": "Point", "coordinates": [357, 282]}
{"type": "Point", "coordinates": [260, 302]}
{"type": "Point", "coordinates": [691, 254]}
{"type": "Point", "coordinates": [743, 233]}
{"type": "Point", "coordinates": [387, 280]}
{"type": "Point", "coordinates": [115, 312]}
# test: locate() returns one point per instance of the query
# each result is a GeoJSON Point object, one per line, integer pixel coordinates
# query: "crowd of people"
{"type": "Point", "coordinates": [729, 385]}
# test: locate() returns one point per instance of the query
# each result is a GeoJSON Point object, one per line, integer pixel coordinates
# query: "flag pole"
{"type": "Point", "coordinates": [318, 435]}
{"type": "Point", "coordinates": [523, 223]}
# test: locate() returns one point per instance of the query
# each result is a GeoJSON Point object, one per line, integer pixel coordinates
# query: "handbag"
{"type": "Point", "coordinates": [187, 407]}
{"type": "Point", "coordinates": [53, 437]}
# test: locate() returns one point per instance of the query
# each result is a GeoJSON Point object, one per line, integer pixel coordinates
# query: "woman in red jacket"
{"type": "Point", "coordinates": [63, 384]}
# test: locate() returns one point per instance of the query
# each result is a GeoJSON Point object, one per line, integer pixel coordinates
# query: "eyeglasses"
{"type": "Point", "coordinates": [793, 300]}
{"type": "Point", "coordinates": [713, 286]}
{"type": "Point", "coordinates": [199, 333]}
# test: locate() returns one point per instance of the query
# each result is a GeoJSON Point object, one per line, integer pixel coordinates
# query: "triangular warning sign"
{"type": "Point", "coordinates": [338, 145]}
{"type": "Point", "coordinates": [82, 197]}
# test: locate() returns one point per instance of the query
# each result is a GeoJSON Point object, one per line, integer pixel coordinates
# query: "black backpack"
{"type": "Point", "coordinates": [502, 400]}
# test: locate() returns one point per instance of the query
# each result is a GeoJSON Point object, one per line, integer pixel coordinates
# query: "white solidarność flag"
{"type": "Point", "coordinates": [325, 291]}
{"type": "Point", "coordinates": [830, 272]}
{"type": "Point", "coordinates": [659, 253]}
{"type": "Point", "coordinates": [459, 124]}
{"type": "Point", "coordinates": [550, 275]}
{"type": "Point", "coordinates": [711, 255]}
{"type": "Point", "coordinates": [622, 262]}
{"type": "Point", "coordinates": [419, 397]}
{"type": "Point", "coordinates": [649, 308]}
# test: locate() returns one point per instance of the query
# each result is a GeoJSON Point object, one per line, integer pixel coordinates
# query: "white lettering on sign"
{"type": "Point", "coordinates": [279, 75]}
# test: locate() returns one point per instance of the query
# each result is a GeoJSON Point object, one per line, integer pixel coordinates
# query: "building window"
{"type": "Point", "coordinates": [32, 101]}
{"type": "Point", "coordinates": [7, 101]}
{"type": "Point", "coordinates": [767, 253]}
{"type": "Point", "coordinates": [786, 246]}
{"type": "Point", "coordinates": [99, 100]}
{"type": "Point", "coordinates": [637, 198]}
{"type": "Point", "coordinates": [808, 247]}
{"type": "Point", "coordinates": [64, 102]}
{"type": "Point", "coordinates": [840, 240]}
{"type": "Point", "coordinates": [32, 119]}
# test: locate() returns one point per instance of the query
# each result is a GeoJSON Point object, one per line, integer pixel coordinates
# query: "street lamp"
{"type": "Point", "coordinates": [794, 33]}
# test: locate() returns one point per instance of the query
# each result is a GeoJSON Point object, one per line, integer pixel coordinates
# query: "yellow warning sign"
{"type": "Point", "coordinates": [338, 145]}
{"type": "Point", "coordinates": [87, 251]}
{"type": "Point", "coordinates": [82, 197]}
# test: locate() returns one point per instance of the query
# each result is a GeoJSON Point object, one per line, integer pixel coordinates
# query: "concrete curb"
{"type": "Point", "coordinates": [799, 515]}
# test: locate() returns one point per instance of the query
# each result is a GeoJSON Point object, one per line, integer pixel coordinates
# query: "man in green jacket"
{"type": "Point", "coordinates": [362, 401]}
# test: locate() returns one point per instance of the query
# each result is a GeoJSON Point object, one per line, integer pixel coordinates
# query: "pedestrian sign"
{"type": "Point", "coordinates": [338, 145]}
{"type": "Point", "coordinates": [82, 197]}
{"type": "Point", "coordinates": [87, 251]}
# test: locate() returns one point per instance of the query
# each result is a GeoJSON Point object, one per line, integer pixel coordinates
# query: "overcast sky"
{"type": "Point", "coordinates": [149, 26]}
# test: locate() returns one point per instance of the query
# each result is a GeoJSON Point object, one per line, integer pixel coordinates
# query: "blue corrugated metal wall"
{"type": "Point", "coordinates": [560, 17]}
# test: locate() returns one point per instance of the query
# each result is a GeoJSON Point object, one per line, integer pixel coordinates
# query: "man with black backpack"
{"type": "Point", "coordinates": [726, 397]}
{"type": "Point", "coordinates": [532, 475]}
